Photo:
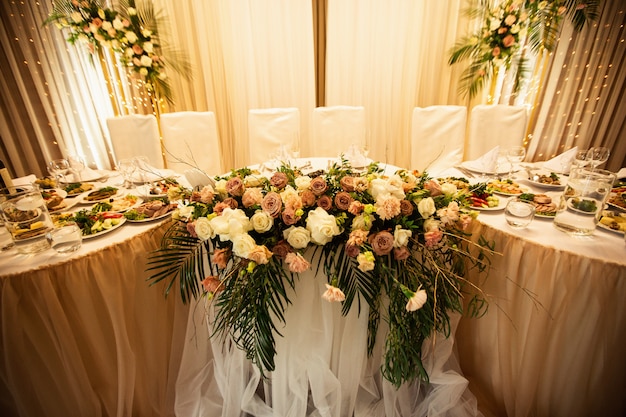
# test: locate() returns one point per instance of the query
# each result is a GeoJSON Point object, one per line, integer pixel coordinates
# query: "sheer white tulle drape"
{"type": "Point", "coordinates": [244, 55]}
{"type": "Point", "coordinates": [390, 57]}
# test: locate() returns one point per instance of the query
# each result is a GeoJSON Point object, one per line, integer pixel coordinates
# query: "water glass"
{"type": "Point", "coordinates": [27, 219]}
{"type": "Point", "coordinates": [6, 242]}
{"type": "Point", "coordinates": [515, 154]}
{"type": "Point", "coordinates": [77, 165]}
{"type": "Point", "coordinates": [580, 206]}
{"type": "Point", "coordinates": [519, 214]}
{"type": "Point", "coordinates": [127, 168]}
{"type": "Point", "coordinates": [65, 239]}
{"type": "Point", "coordinates": [59, 168]}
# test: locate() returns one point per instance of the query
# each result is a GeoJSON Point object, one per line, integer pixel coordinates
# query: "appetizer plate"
{"type": "Point", "coordinates": [605, 227]}
{"type": "Point", "coordinates": [151, 219]}
{"type": "Point", "coordinates": [120, 204]}
{"type": "Point", "coordinates": [547, 186]}
{"type": "Point", "coordinates": [105, 231]}
{"type": "Point", "coordinates": [67, 204]}
{"type": "Point", "coordinates": [144, 191]}
{"type": "Point", "coordinates": [85, 198]}
{"type": "Point", "coordinates": [501, 205]}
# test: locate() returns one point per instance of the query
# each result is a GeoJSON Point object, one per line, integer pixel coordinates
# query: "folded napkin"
{"type": "Point", "coordinates": [621, 174]}
{"type": "Point", "coordinates": [151, 174]}
{"type": "Point", "coordinates": [561, 163]}
{"type": "Point", "coordinates": [87, 174]}
{"type": "Point", "coordinates": [485, 164]}
{"type": "Point", "coordinates": [27, 180]}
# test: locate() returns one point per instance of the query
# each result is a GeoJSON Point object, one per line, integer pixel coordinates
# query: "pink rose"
{"type": "Point", "coordinates": [347, 183]}
{"type": "Point", "coordinates": [297, 263]}
{"type": "Point", "coordinates": [272, 204]}
{"type": "Point", "coordinates": [382, 242]}
{"type": "Point", "coordinates": [212, 284]}
{"type": "Point", "coordinates": [325, 202]}
{"type": "Point", "coordinates": [356, 207]}
{"type": "Point", "coordinates": [352, 250]}
{"type": "Point", "coordinates": [508, 40]}
{"type": "Point", "coordinates": [235, 187]}
{"type": "Point", "coordinates": [496, 51]}
{"type": "Point", "coordinates": [343, 200]}
{"type": "Point", "coordinates": [220, 257]}
{"type": "Point", "coordinates": [191, 229]}
{"type": "Point", "coordinates": [433, 238]}
{"type": "Point", "coordinates": [289, 217]}
{"type": "Point", "coordinates": [252, 197]}
{"type": "Point", "coordinates": [318, 186]}
{"type": "Point", "coordinates": [137, 49]}
{"type": "Point", "coordinates": [401, 253]}
{"type": "Point", "coordinates": [282, 249]}
{"type": "Point", "coordinates": [433, 188]}
{"type": "Point", "coordinates": [406, 207]}
{"type": "Point", "coordinates": [279, 180]}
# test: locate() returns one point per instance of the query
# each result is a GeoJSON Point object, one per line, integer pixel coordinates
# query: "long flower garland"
{"type": "Point", "coordinates": [131, 32]}
{"type": "Point", "coordinates": [405, 237]}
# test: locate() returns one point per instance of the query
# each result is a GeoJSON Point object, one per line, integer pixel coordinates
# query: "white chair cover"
{"type": "Point", "coordinates": [268, 129]}
{"type": "Point", "coordinates": [191, 140]}
{"type": "Point", "coordinates": [437, 137]}
{"type": "Point", "coordinates": [493, 125]}
{"type": "Point", "coordinates": [334, 129]}
{"type": "Point", "coordinates": [136, 135]}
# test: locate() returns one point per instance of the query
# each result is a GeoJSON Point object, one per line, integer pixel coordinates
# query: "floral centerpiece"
{"type": "Point", "coordinates": [405, 236]}
{"type": "Point", "coordinates": [131, 32]}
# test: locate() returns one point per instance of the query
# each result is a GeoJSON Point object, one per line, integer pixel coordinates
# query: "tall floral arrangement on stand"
{"type": "Point", "coordinates": [509, 28]}
{"type": "Point", "coordinates": [131, 32]}
{"type": "Point", "coordinates": [399, 242]}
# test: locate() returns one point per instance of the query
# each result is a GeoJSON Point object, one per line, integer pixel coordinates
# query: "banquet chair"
{"type": "Point", "coordinates": [136, 135]}
{"type": "Point", "coordinates": [335, 128]}
{"type": "Point", "coordinates": [437, 137]}
{"type": "Point", "coordinates": [191, 141]}
{"type": "Point", "coordinates": [269, 130]}
{"type": "Point", "coordinates": [494, 125]}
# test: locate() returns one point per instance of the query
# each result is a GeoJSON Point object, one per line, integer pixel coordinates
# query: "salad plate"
{"type": "Point", "coordinates": [101, 194]}
{"type": "Point", "coordinates": [150, 219]}
{"type": "Point", "coordinates": [507, 188]}
{"type": "Point", "coordinates": [118, 205]}
{"type": "Point", "coordinates": [501, 205]}
{"type": "Point", "coordinates": [104, 231]}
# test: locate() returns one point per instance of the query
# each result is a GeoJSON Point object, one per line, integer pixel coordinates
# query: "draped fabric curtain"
{"type": "Point", "coordinates": [583, 102]}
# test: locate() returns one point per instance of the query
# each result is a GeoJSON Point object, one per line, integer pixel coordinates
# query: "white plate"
{"type": "Point", "coordinates": [84, 200]}
{"type": "Point", "coordinates": [151, 219]}
{"type": "Point", "coordinates": [501, 205]}
{"type": "Point", "coordinates": [469, 167]}
{"type": "Point", "coordinates": [136, 204]}
{"type": "Point", "coordinates": [605, 227]}
{"type": "Point", "coordinates": [546, 186]}
{"type": "Point", "coordinates": [144, 191]}
{"type": "Point", "coordinates": [545, 216]}
{"type": "Point", "coordinates": [105, 231]}
{"type": "Point", "coordinates": [67, 204]}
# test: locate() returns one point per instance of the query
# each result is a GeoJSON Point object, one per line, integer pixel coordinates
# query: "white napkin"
{"type": "Point", "coordinates": [621, 173]}
{"type": "Point", "coordinates": [486, 163]}
{"type": "Point", "coordinates": [561, 163]}
{"type": "Point", "coordinates": [87, 174]}
{"type": "Point", "coordinates": [27, 180]}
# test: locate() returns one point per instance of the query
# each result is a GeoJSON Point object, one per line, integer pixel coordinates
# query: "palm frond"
{"type": "Point", "coordinates": [589, 11]}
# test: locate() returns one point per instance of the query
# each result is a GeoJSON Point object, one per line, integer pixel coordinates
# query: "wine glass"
{"type": "Point", "coordinates": [127, 167]}
{"type": "Point", "coordinates": [515, 154]}
{"type": "Point", "coordinates": [77, 164]}
{"type": "Point", "coordinates": [143, 167]}
{"type": "Point", "coordinates": [597, 156]}
{"type": "Point", "coordinates": [59, 168]}
{"type": "Point", "coordinates": [367, 144]}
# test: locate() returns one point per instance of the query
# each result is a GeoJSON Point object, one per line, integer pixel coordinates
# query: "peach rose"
{"type": "Point", "coordinates": [496, 51]}
{"type": "Point", "coordinates": [296, 262]}
{"type": "Point", "coordinates": [212, 284]}
{"type": "Point", "coordinates": [401, 254]}
{"type": "Point", "coordinates": [356, 207]}
{"type": "Point", "coordinates": [347, 183]}
{"type": "Point", "coordinates": [433, 187]}
{"type": "Point", "coordinates": [289, 217]}
{"type": "Point", "coordinates": [325, 202]}
{"type": "Point", "coordinates": [343, 200]}
{"type": "Point", "coordinates": [221, 257]}
{"type": "Point", "coordinates": [382, 242]}
{"type": "Point", "coordinates": [333, 294]}
{"type": "Point", "coordinates": [508, 40]}
{"type": "Point", "coordinates": [272, 204]}
{"type": "Point", "coordinates": [260, 254]}
{"type": "Point", "coordinates": [433, 238]}
{"type": "Point", "coordinates": [252, 197]}
{"type": "Point", "coordinates": [308, 198]}
{"type": "Point", "coordinates": [231, 202]}
{"type": "Point", "coordinates": [279, 180]}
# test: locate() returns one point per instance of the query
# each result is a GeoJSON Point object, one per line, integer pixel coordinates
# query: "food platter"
{"type": "Point", "coordinates": [501, 205]}
{"type": "Point", "coordinates": [507, 188]}
{"type": "Point", "coordinates": [150, 219]}
{"type": "Point", "coordinates": [619, 218]}
{"type": "Point", "coordinates": [152, 209]}
{"type": "Point", "coordinates": [122, 220]}
{"type": "Point", "coordinates": [89, 199]}
{"type": "Point", "coordinates": [545, 185]}
{"type": "Point", "coordinates": [119, 204]}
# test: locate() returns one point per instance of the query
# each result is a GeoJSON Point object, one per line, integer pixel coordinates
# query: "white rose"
{"type": "Point", "coordinates": [117, 24]}
{"type": "Point", "coordinates": [106, 25]}
{"type": "Point", "coordinates": [515, 28]}
{"type": "Point", "coordinates": [101, 14]}
{"type": "Point", "coordinates": [243, 244]}
{"type": "Point", "coordinates": [220, 187]}
{"type": "Point", "coordinates": [162, 76]}
{"type": "Point", "coordinates": [143, 71]}
{"type": "Point", "coordinates": [362, 222]}
{"type": "Point", "coordinates": [148, 47]}
{"type": "Point", "coordinates": [401, 237]}
{"type": "Point", "coordinates": [298, 237]}
{"type": "Point", "coordinates": [131, 11]}
{"type": "Point", "coordinates": [146, 61]}
{"type": "Point", "coordinates": [76, 17]}
{"type": "Point", "coordinates": [303, 182]}
{"type": "Point", "coordinates": [146, 33]}
{"type": "Point", "coordinates": [129, 52]}
{"type": "Point", "coordinates": [183, 212]}
{"type": "Point", "coordinates": [252, 181]}
{"type": "Point", "coordinates": [131, 37]}
{"type": "Point", "coordinates": [288, 192]}
{"type": "Point", "coordinates": [261, 221]}
{"type": "Point", "coordinates": [431, 225]}
{"type": "Point", "coordinates": [542, 5]}
{"type": "Point", "coordinates": [203, 229]}
{"type": "Point", "coordinates": [231, 224]}
{"type": "Point", "coordinates": [494, 24]}
{"type": "Point", "coordinates": [426, 207]}
{"type": "Point", "coordinates": [396, 186]}
{"type": "Point", "coordinates": [323, 226]}
{"type": "Point", "coordinates": [448, 189]}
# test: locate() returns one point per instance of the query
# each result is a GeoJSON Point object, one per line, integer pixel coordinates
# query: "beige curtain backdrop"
{"type": "Point", "coordinates": [386, 56]}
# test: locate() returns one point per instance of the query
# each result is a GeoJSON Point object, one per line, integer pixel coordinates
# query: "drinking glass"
{"type": "Point", "coordinates": [143, 168]}
{"type": "Point", "coordinates": [77, 164]}
{"type": "Point", "coordinates": [65, 239]}
{"type": "Point", "coordinates": [518, 213]}
{"type": "Point", "coordinates": [127, 167]}
{"type": "Point", "coordinates": [580, 160]}
{"type": "Point", "coordinates": [516, 154]}
{"type": "Point", "coordinates": [59, 168]}
{"type": "Point", "coordinates": [597, 156]}
{"type": "Point", "coordinates": [580, 206]}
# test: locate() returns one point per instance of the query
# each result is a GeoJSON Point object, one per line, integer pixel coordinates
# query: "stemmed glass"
{"type": "Point", "coordinates": [127, 167]}
{"type": "Point", "coordinates": [597, 156]}
{"type": "Point", "coordinates": [77, 164]}
{"type": "Point", "coordinates": [516, 154]}
{"type": "Point", "coordinates": [59, 168]}
{"type": "Point", "coordinates": [143, 166]}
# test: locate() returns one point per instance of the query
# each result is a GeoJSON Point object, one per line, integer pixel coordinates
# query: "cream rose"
{"type": "Point", "coordinates": [417, 301]}
{"type": "Point", "coordinates": [231, 223]}
{"type": "Point", "coordinates": [243, 244]}
{"type": "Point", "coordinates": [323, 226]}
{"type": "Point", "coordinates": [366, 261]}
{"type": "Point", "coordinates": [380, 186]}
{"type": "Point", "coordinates": [261, 221]}
{"type": "Point", "coordinates": [401, 237]}
{"type": "Point", "coordinates": [303, 182]}
{"type": "Point", "coordinates": [297, 237]}
{"type": "Point", "coordinates": [448, 189]}
{"type": "Point", "coordinates": [203, 228]}
{"type": "Point", "coordinates": [426, 207]}
{"type": "Point", "coordinates": [131, 37]}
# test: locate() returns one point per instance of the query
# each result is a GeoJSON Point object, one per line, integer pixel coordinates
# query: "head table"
{"type": "Point", "coordinates": [86, 335]}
